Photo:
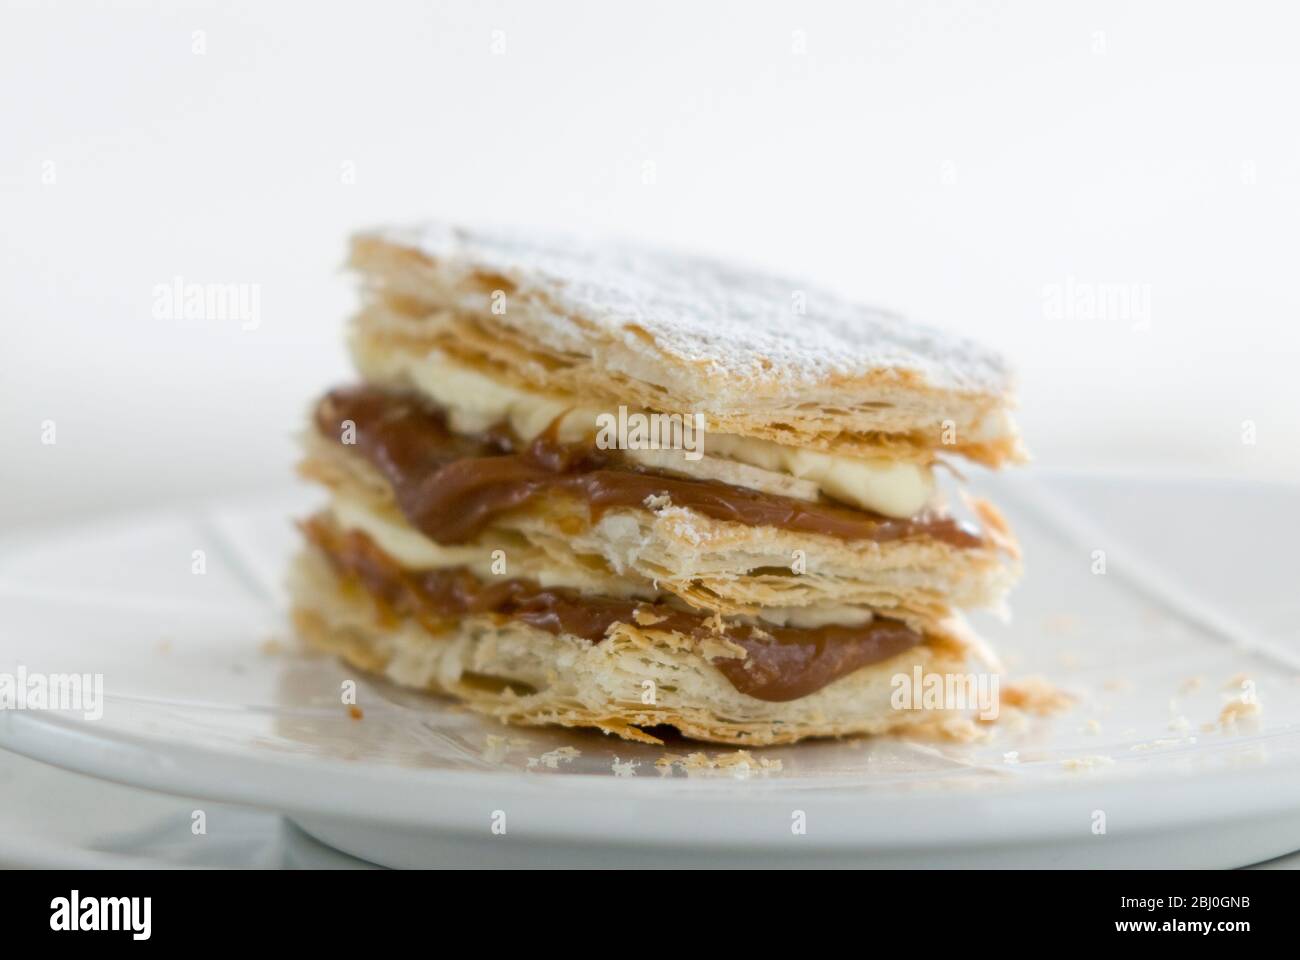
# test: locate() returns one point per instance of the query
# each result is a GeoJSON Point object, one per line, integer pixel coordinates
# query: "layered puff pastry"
{"type": "Point", "coordinates": [591, 484]}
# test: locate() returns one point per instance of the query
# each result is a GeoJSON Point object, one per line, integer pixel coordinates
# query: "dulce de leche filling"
{"type": "Point", "coordinates": [450, 486]}
{"type": "Point", "coordinates": [780, 663]}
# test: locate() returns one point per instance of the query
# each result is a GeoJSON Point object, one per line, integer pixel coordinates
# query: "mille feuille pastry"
{"type": "Point", "coordinates": [503, 528]}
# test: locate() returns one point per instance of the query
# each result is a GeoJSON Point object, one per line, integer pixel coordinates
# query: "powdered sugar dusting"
{"type": "Point", "coordinates": [733, 322]}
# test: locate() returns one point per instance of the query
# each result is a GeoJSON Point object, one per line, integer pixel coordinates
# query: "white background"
{"type": "Point", "coordinates": [951, 161]}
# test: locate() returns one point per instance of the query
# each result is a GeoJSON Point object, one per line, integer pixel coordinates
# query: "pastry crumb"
{"type": "Point", "coordinates": [1235, 711]}
{"type": "Point", "coordinates": [1087, 763]}
{"type": "Point", "coordinates": [955, 729]}
{"type": "Point", "coordinates": [665, 763]}
{"type": "Point", "coordinates": [552, 759]}
{"type": "Point", "coordinates": [1035, 695]}
{"type": "Point", "coordinates": [496, 747]}
{"type": "Point", "coordinates": [739, 762]}
{"type": "Point", "coordinates": [624, 768]}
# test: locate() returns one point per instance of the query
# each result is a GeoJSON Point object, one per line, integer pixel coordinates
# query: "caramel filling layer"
{"type": "Point", "coordinates": [780, 663]}
{"type": "Point", "coordinates": [450, 486]}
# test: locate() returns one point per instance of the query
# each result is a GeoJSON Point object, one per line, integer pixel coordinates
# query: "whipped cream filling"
{"type": "Point", "coordinates": [475, 402]}
{"type": "Point", "coordinates": [414, 551]}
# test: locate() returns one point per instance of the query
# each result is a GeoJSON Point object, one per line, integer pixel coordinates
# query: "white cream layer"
{"type": "Point", "coordinates": [476, 402]}
{"type": "Point", "coordinates": [414, 551]}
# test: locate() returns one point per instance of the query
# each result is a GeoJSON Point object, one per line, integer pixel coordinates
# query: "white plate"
{"type": "Point", "coordinates": [206, 697]}
{"type": "Point", "coordinates": [53, 819]}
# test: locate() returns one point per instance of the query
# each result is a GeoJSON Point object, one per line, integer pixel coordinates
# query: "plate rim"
{"type": "Point", "coordinates": [1019, 812]}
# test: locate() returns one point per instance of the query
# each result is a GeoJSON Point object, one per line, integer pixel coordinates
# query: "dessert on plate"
{"type": "Point", "coordinates": [592, 484]}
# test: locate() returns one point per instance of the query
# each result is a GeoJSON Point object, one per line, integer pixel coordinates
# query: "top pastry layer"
{"type": "Point", "coordinates": [759, 355]}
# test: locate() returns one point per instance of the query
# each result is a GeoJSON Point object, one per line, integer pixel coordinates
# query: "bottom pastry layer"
{"type": "Point", "coordinates": [633, 681]}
